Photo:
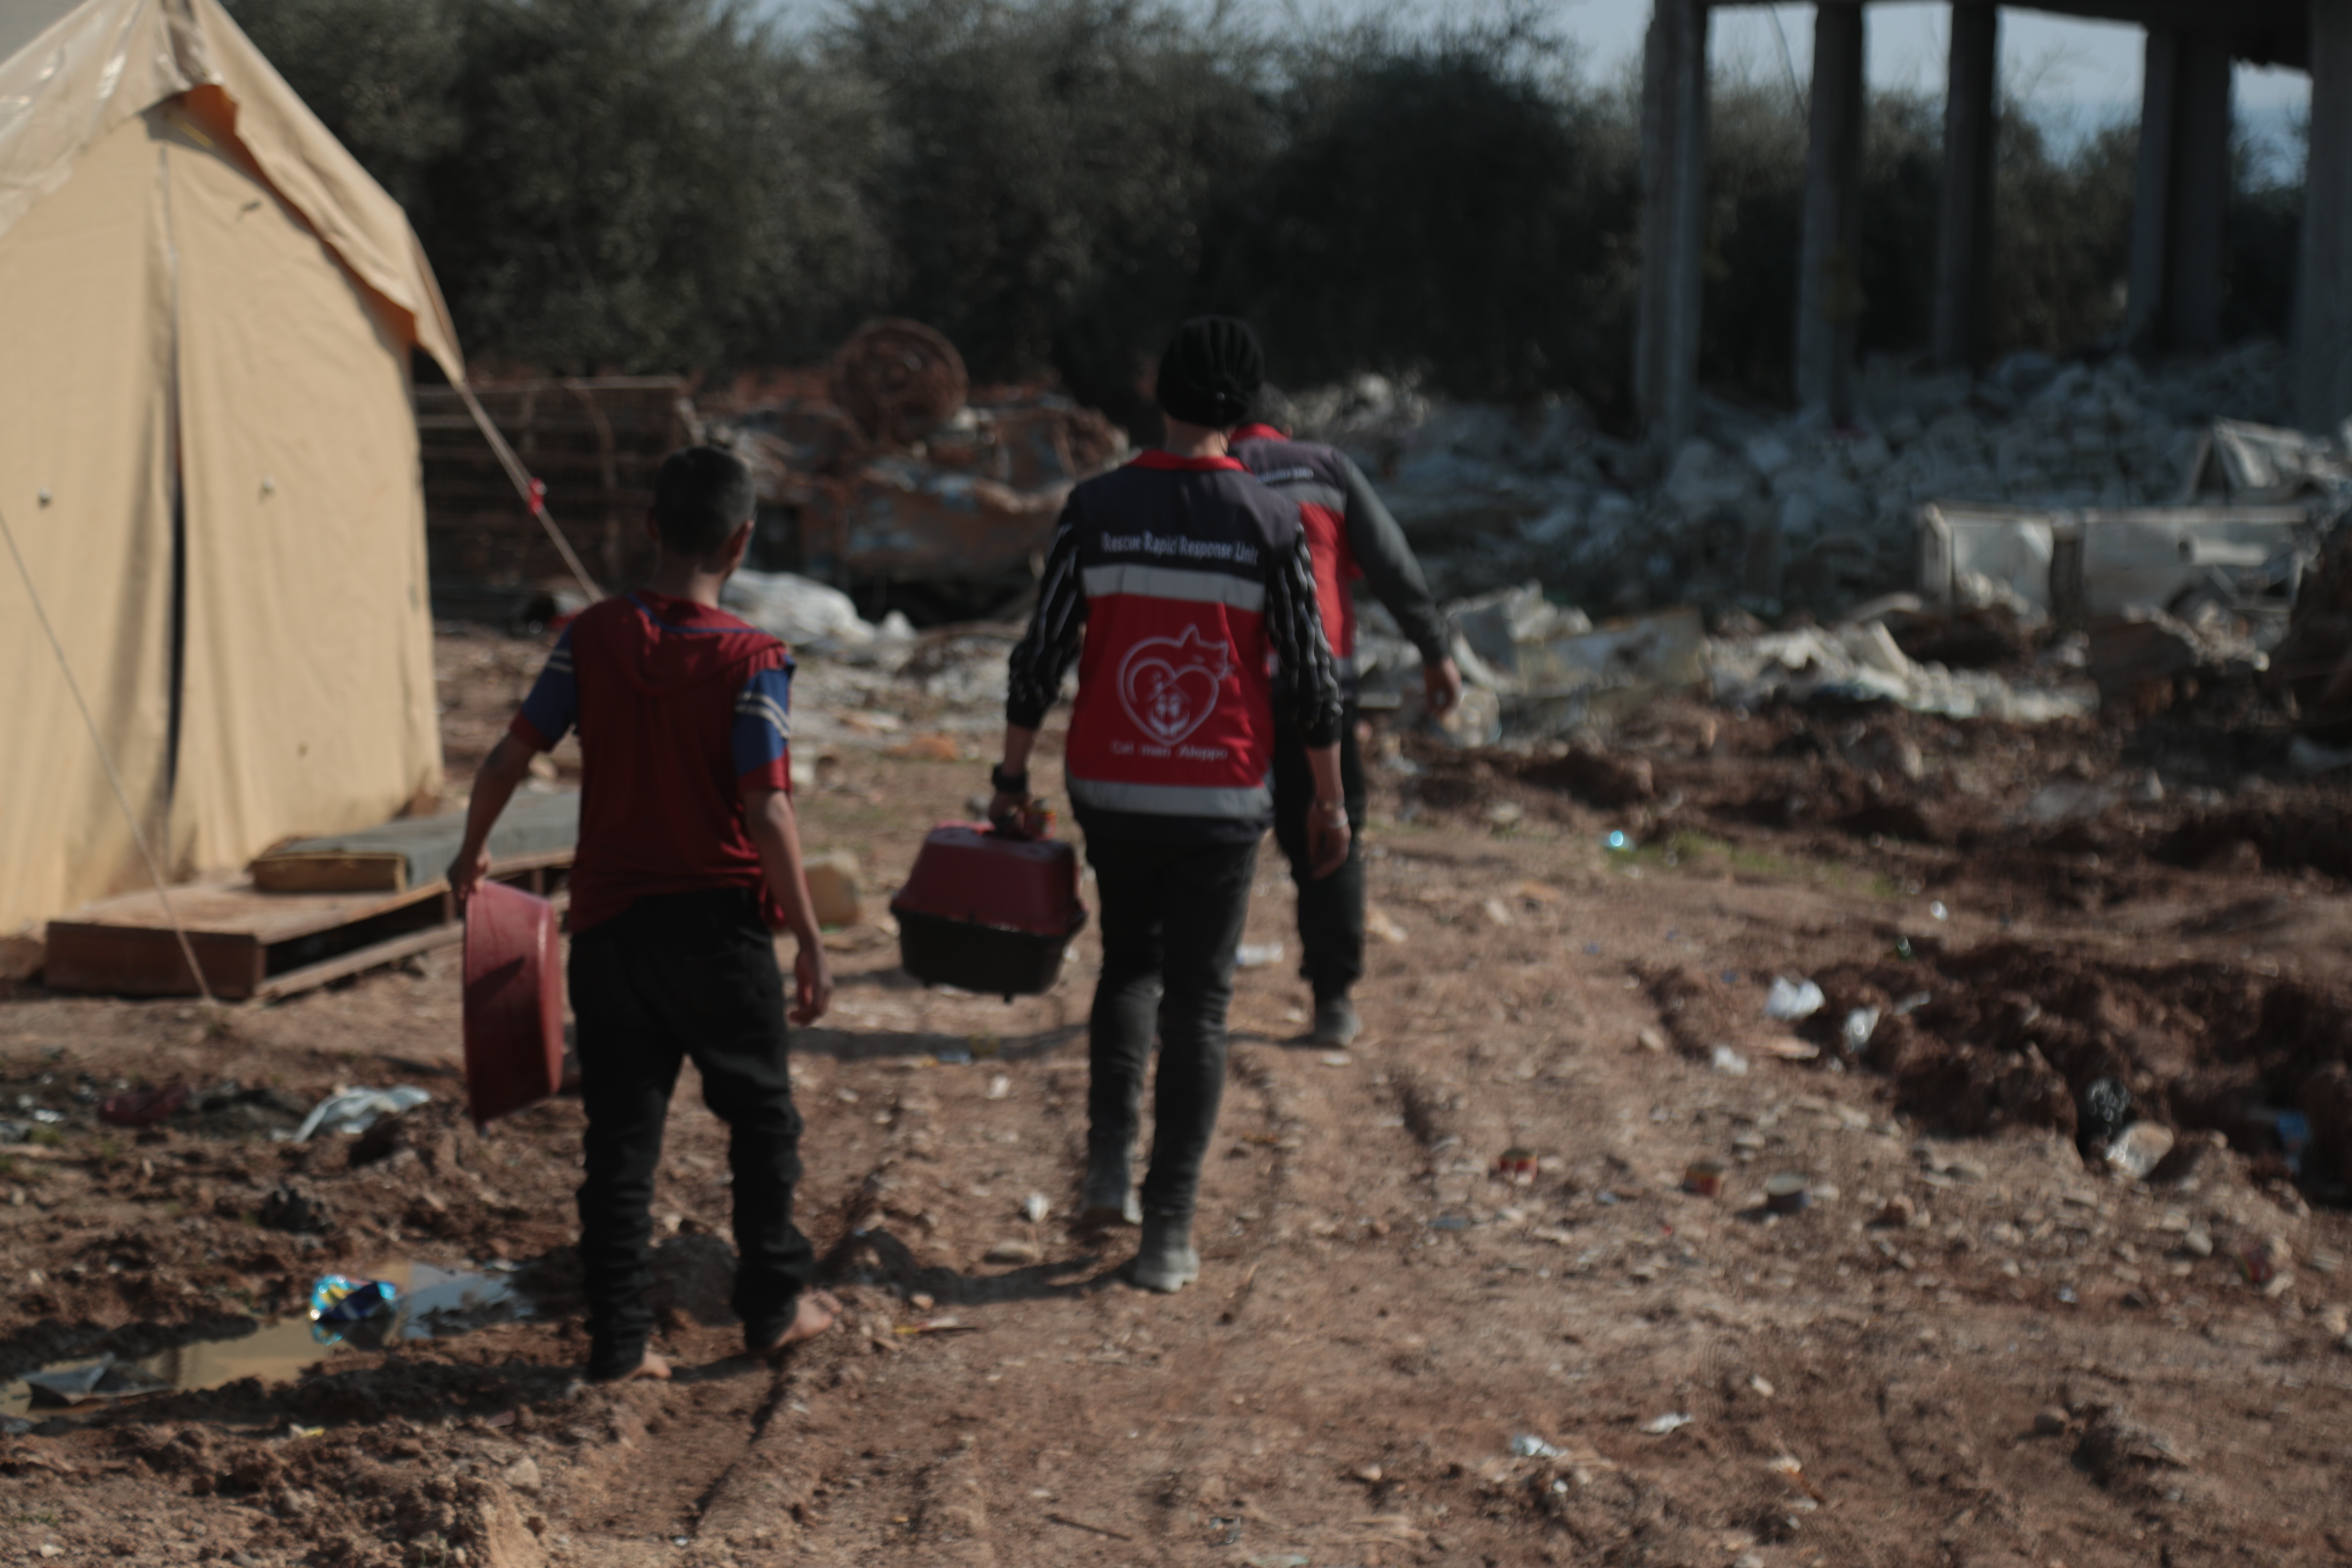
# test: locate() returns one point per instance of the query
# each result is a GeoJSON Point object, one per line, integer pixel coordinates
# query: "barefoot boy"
{"type": "Point", "coordinates": [688, 858]}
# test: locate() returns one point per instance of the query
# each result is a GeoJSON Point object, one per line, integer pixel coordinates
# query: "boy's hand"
{"type": "Point", "coordinates": [466, 874]}
{"type": "Point", "coordinates": [812, 983]}
{"type": "Point", "coordinates": [1004, 809]}
{"type": "Point", "coordinates": [1327, 840]}
{"type": "Point", "coordinates": [1441, 686]}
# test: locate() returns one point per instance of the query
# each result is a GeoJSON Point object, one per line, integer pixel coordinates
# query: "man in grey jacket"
{"type": "Point", "coordinates": [1353, 538]}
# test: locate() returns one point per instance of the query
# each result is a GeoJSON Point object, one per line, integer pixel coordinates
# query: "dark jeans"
{"type": "Point", "coordinates": [1330, 909]}
{"type": "Point", "coordinates": [1172, 920]}
{"type": "Point", "coordinates": [683, 974]}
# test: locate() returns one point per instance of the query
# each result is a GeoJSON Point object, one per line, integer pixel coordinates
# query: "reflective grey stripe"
{"type": "Point", "coordinates": [1171, 800]}
{"type": "Point", "coordinates": [1169, 582]}
{"type": "Point", "coordinates": [1330, 496]}
{"type": "Point", "coordinates": [1344, 667]}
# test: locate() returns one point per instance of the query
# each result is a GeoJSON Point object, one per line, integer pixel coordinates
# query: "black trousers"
{"type": "Point", "coordinates": [1171, 921]}
{"type": "Point", "coordinates": [1330, 909]}
{"type": "Point", "coordinates": [683, 974]}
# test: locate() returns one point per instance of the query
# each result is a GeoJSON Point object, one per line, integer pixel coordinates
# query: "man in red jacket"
{"type": "Point", "coordinates": [1353, 539]}
{"type": "Point", "coordinates": [1179, 585]}
{"type": "Point", "coordinates": [689, 859]}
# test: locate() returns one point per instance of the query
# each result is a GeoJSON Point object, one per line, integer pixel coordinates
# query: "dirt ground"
{"type": "Point", "coordinates": [1974, 1348]}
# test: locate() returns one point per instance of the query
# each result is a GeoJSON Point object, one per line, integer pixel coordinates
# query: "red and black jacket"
{"type": "Point", "coordinates": [1180, 585]}
{"type": "Point", "coordinates": [1353, 539]}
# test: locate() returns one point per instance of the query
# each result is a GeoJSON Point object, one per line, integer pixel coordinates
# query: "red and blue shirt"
{"type": "Point", "coordinates": [682, 710]}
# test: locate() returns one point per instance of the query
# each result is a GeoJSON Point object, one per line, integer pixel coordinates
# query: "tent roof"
{"type": "Point", "coordinates": [73, 72]}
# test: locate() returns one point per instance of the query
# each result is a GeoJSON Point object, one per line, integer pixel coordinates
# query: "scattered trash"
{"type": "Point", "coordinates": [1786, 1048]}
{"type": "Point", "coordinates": [143, 1107]}
{"type": "Point", "coordinates": [2259, 1262]}
{"type": "Point", "coordinates": [1449, 1222]}
{"type": "Point", "coordinates": [1528, 1446]}
{"type": "Point", "coordinates": [2103, 1113]}
{"type": "Point", "coordinates": [1650, 1039]}
{"type": "Point", "coordinates": [355, 1111]}
{"type": "Point", "coordinates": [2294, 1138]}
{"type": "Point", "coordinates": [2139, 1149]}
{"type": "Point", "coordinates": [1791, 1001]}
{"type": "Point", "coordinates": [1379, 922]}
{"type": "Point", "coordinates": [945, 1325]}
{"type": "Point", "coordinates": [1016, 1253]}
{"type": "Point", "coordinates": [1258, 954]}
{"type": "Point", "coordinates": [1939, 910]}
{"type": "Point", "coordinates": [1035, 1208]}
{"type": "Point", "coordinates": [1729, 1062]}
{"type": "Point", "coordinates": [1658, 1426]}
{"type": "Point", "coordinates": [1788, 1191]}
{"type": "Point", "coordinates": [339, 1302]}
{"type": "Point", "coordinates": [1704, 1178]}
{"type": "Point", "coordinates": [1855, 1034]}
{"type": "Point", "coordinates": [105, 1378]}
{"type": "Point", "coordinates": [999, 1087]}
{"type": "Point", "coordinates": [1517, 1166]}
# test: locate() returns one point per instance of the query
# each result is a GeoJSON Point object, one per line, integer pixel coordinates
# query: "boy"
{"type": "Point", "coordinates": [1186, 584]}
{"type": "Point", "coordinates": [1352, 536]}
{"type": "Point", "coordinates": [688, 858]}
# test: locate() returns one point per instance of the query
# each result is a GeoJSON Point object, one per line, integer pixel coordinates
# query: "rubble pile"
{"type": "Point", "coordinates": [1772, 510]}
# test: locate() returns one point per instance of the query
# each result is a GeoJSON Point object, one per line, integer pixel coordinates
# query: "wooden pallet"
{"type": "Point", "coordinates": [254, 945]}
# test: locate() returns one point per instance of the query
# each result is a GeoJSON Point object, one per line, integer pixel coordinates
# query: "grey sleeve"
{"type": "Point", "coordinates": [1389, 566]}
{"type": "Point", "coordinates": [1295, 622]}
{"type": "Point", "coordinates": [1043, 654]}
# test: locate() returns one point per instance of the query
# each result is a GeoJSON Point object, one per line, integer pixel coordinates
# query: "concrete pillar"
{"type": "Point", "coordinates": [2323, 335]}
{"type": "Point", "coordinates": [1673, 219]}
{"type": "Point", "coordinates": [1829, 278]}
{"type": "Point", "coordinates": [2181, 190]}
{"type": "Point", "coordinates": [2200, 197]}
{"type": "Point", "coordinates": [2152, 189]}
{"type": "Point", "coordinates": [1964, 226]}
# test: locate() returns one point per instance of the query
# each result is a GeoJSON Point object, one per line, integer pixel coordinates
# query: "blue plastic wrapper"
{"type": "Point", "coordinates": [339, 1302]}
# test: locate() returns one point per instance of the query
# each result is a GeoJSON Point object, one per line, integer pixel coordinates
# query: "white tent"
{"type": "Point", "coordinates": [207, 455]}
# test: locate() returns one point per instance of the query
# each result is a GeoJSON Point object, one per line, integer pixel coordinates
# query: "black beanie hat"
{"type": "Point", "coordinates": [1210, 371]}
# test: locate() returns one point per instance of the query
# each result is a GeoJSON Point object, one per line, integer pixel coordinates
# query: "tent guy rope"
{"type": "Point", "coordinates": [106, 758]}
{"type": "Point", "coordinates": [533, 491]}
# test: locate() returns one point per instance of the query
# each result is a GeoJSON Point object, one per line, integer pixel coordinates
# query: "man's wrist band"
{"type": "Point", "coordinates": [1008, 784]}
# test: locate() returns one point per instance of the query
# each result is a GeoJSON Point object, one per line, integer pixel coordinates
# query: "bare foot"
{"type": "Point", "coordinates": [653, 1369]}
{"type": "Point", "coordinates": [813, 1315]}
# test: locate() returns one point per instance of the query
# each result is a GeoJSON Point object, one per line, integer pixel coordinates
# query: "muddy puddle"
{"type": "Point", "coordinates": [435, 1303]}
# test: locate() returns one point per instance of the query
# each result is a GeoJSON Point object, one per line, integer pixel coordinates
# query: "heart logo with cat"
{"type": "Point", "coordinates": [1169, 685]}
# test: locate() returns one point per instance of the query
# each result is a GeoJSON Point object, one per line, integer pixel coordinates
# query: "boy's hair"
{"type": "Point", "coordinates": [701, 495]}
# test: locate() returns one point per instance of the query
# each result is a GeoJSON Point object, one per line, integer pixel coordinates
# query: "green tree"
{"type": "Point", "coordinates": [1452, 205]}
{"type": "Point", "coordinates": [1047, 168]}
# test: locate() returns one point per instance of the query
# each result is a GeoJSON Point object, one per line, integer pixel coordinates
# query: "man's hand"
{"type": "Point", "coordinates": [1327, 839]}
{"type": "Point", "coordinates": [466, 874]}
{"type": "Point", "coordinates": [812, 983]}
{"type": "Point", "coordinates": [1004, 809]}
{"type": "Point", "coordinates": [1441, 684]}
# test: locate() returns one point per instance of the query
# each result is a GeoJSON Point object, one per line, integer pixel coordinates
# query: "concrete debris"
{"type": "Point", "coordinates": [1783, 512]}
{"type": "Point", "coordinates": [808, 614]}
{"type": "Point", "coordinates": [1864, 663]}
{"type": "Point", "coordinates": [2243, 464]}
{"type": "Point", "coordinates": [2145, 659]}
